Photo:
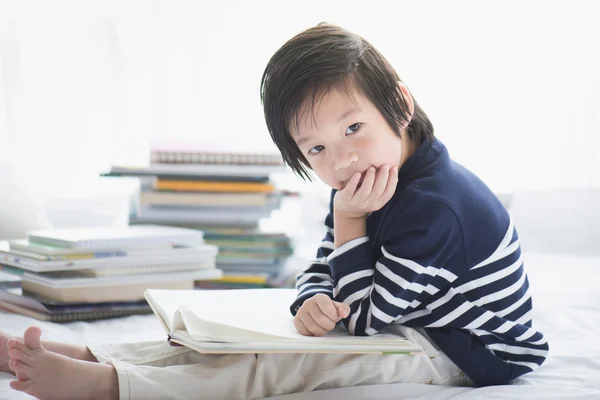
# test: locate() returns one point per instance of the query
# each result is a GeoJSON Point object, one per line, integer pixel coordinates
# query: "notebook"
{"type": "Point", "coordinates": [44, 252]}
{"type": "Point", "coordinates": [206, 199]}
{"type": "Point", "coordinates": [89, 289]}
{"type": "Point", "coordinates": [203, 152]}
{"type": "Point", "coordinates": [254, 321]}
{"type": "Point", "coordinates": [18, 302]}
{"type": "Point", "coordinates": [203, 258]}
{"type": "Point", "coordinates": [130, 237]}
{"type": "Point", "coordinates": [257, 171]}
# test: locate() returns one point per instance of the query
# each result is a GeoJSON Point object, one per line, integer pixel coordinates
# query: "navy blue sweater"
{"type": "Point", "coordinates": [442, 254]}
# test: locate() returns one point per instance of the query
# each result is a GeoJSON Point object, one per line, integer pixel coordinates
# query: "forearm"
{"type": "Point", "coordinates": [348, 228]}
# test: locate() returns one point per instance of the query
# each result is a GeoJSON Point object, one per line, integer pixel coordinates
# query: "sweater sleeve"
{"type": "Point", "coordinates": [317, 277]}
{"type": "Point", "coordinates": [422, 245]}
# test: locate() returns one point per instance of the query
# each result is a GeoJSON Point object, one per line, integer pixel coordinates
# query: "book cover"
{"type": "Point", "coordinates": [205, 152]}
{"type": "Point", "coordinates": [21, 302]}
{"type": "Point", "coordinates": [198, 170]}
{"type": "Point", "coordinates": [130, 237]}
{"type": "Point", "coordinates": [204, 258]}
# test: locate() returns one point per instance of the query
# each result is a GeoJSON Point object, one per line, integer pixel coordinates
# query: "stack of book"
{"type": "Point", "coordinates": [222, 190]}
{"type": "Point", "coordinates": [84, 274]}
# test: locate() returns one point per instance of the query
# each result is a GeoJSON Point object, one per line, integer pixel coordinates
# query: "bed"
{"type": "Point", "coordinates": [567, 310]}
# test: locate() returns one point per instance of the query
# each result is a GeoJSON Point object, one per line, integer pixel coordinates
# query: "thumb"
{"type": "Point", "coordinates": [342, 309]}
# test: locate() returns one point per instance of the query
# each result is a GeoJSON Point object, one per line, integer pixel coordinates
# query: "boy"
{"type": "Point", "coordinates": [415, 243]}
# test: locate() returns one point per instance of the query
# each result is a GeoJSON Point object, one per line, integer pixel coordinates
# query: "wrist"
{"type": "Point", "coordinates": [348, 227]}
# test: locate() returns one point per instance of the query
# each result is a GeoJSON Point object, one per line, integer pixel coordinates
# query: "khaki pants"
{"type": "Point", "coordinates": [155, 370]}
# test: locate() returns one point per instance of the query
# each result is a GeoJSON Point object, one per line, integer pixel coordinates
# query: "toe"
{"type": "Point", "coordinates": [21, 386]}
{"type": "Point", "coordinates": [31, 337]}
{"type": "Point", "coordinates": [19, 367]}
{"type": "Point", "coordinates": [18, 346]}
{"type": "Point", "coordinates": [16, 354]}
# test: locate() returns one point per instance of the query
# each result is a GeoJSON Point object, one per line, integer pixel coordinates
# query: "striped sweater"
{"type": "Point", "coordinates": [444, 255]}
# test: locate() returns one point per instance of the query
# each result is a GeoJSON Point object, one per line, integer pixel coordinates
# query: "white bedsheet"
{"type": "Point", "coordinates": [567, 311]}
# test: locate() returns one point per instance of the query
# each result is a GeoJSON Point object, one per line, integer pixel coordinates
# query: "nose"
{"type": "Point", "coordinates": [344, 159]}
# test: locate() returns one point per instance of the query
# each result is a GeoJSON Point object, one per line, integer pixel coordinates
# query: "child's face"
{"type": "Point", "coordinates": [346, 137]}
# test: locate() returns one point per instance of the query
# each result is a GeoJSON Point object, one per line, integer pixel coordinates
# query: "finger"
{"type": "Point", "coordinates": [350, 187]}
{"type": "Point", "coordinates": [300, 327]}
{"type": "Point", "coordinates": [327, 307]}
{"type": "Point", "coordinates": [365, 188]}
{"type": "Point", "coordinates": [390, 188]}
{"type": "Point", "coordinates": [311, 325]}
{"type": "Point", "coordinates": [343, 309]}
{"type": "Point", "coordinates": [322, 320]}
{"type": "Point", "coordinates": [381, 181]}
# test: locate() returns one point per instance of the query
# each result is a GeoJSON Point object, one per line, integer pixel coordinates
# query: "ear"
{"type": "Point", "coordinates": [405, 94]}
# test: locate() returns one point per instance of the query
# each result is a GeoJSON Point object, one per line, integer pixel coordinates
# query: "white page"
{"type": "Point", "coordinates": [259, 310]}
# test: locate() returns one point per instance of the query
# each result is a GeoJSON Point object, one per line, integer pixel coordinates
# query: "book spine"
{"type": "Point", "coordinates": [213, 186]}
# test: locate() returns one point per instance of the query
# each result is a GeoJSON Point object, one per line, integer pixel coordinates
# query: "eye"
{"type": "Point", "coordinates": [353, 128]}
{"type": "Point", "coordinates": [316, 149]}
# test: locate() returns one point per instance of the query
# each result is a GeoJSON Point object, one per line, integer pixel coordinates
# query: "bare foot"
{"type": "Point", "coordinates": [4, 353]}
{"type": "Point", "coordinates": [47, 375]}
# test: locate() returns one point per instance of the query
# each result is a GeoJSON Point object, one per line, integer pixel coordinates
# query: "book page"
{"type": "Point", "coordinates": [264, 311]}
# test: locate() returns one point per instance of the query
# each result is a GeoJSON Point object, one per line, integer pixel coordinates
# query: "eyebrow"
{"type": "Point", "coordinates": [344, 115]}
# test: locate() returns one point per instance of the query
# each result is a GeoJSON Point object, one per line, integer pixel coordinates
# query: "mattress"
{"type": "Point", "coordinates": [566, 309]}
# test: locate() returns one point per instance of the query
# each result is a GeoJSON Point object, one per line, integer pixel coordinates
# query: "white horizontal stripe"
{"type": "Point", "coordinates": [501, 293]}
{"type": "Point", "coordinates": [529, 365]}
{"type": "Point", "coordinates": [442, 300]}
{"type": "Point", "coordinates": [487, 279]}
{"type": "Point", "coordinates": [517, 349]}
{"type": "Point", "coordinates": [356, 296]}
{"type": "Point", "coordinates": [396, 301]}
{"type": "Point", "coordinates": [477, 322]}
{"type": "Point", "coordinates": [464, 307]}
{"type": "Point", "coordinates": [403, 283]}
{"type": "Point", "coordinates": [351, 278]}
{"type": "Point", "coordinates": [316, 290]}
{"type": "Point", "coordinates": [539, 342]}
{"type": "Point", "coordinates": [419, 269]}
{"type": "Point", "coordinates": [525, 318]}
{"type": "Point", "coordinates": [329, 230]}
{"type": "Point", "coordinates": [414, 314]}
{"type": "Point", "coordinates": [503, 243]}
{"type": "Point", "coordinates": [416, 267]}
{"type": "Point", "coordinates": [529, 333]}
{"type": "Point", "coordinates": [308, 275]}
{"type": "Point", "coordinates": [505, 327]}
{"type": "Point", "coordinates": [499, 254]}
{"type": "Point", "coordinates": [347, 246]}
{"type": "Point", "coordinates": [310, 284]}
{"type": "Point", "coordinates": [327, 245]}
{"type": "Point", "coordinates": [320, 261]}
{"type": "Point", "coordinates": [526, 296]}
{"type": "Point", "coordinates": [380, 315]}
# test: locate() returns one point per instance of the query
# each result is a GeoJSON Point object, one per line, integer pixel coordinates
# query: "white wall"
{"type": "Point", "coordinates": [512, 87]}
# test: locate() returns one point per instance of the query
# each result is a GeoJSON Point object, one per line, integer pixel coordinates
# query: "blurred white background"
{"type": "Point", "coordinates": [512, 87]}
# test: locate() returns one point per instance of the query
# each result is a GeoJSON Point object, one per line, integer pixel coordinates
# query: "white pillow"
{"type": "Point", "coordinates": [565, 220]}
{"type": "Point", "coordinates": [21, 208]}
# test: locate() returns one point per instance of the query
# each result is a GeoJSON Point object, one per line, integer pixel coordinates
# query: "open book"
{"type": "Point", "coordinates": [254, 321]}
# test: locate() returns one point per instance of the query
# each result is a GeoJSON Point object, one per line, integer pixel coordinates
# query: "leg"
{"type": "Point", "coordinates": [44, 374]}
{"type": "Point", "coordinates": [186, 374]}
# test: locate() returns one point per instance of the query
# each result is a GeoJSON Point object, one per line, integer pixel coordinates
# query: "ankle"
{"type": "Point", "coordinates": [108, 388]}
